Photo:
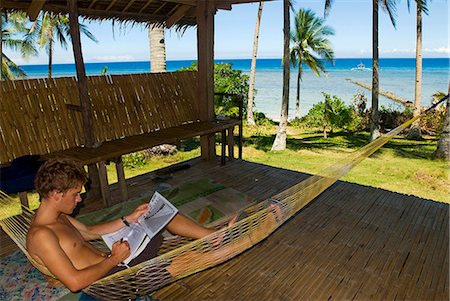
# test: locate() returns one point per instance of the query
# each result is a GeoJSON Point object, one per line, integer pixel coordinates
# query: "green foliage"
{"type": "Point", "coordinates": [15, 36]}
{"type": "Point", "coordinates": [104, 70]}
{"type": "Point", "coordinates": [332, 112]}
{"type": "Point", "coordinates": [134, 160]}
{"type": "Point", "coordinates": [226, 80]}
{"type": "Point", "coordinates": [310, 36]}
{"type": "Point", "coordinates": [262, 119]}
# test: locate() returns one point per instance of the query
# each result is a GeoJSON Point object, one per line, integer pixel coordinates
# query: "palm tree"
{"type": "Point", "coordinates": [443, 148]}
{"type": "Point", "coordinates": [389, 7]}
{"type": "Point", "coordinates": [310, 37]}
{"type": "Point", "coordinates": [415, 132]}
{"type": "Point", "coordinates": [251, 89]}
{"type": "Point", "coordinates": [157, 48]}
{"type": "Point", "coordinates": [280, 138]}
{"type": "Point", "coordinates": [14, 35]}
{"type": "Point", "coordinates": [51, 26]}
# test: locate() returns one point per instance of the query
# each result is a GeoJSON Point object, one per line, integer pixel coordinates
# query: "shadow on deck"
{"type": "Point", "coordinates": [351, 242]}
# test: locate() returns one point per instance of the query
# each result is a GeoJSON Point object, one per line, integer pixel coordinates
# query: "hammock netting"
{"type": "Point", "coordinates": [180, 257]}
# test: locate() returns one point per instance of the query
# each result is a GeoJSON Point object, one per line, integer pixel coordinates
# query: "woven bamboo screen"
{"type": "Point", "coordinates": [35, 119]}
{"type": "Point", "coordinates": [127, 105]}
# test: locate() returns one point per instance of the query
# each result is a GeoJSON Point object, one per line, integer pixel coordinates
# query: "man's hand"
{"type": "Point", "coordinates": [120, 251]}
{"type": "Point", "coordinates": [137, 213]}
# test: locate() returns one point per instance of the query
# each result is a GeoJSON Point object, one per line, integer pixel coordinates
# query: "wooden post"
{"type": "Point", "coordinates": [205, 52]}
{"type": "Point", "coordinates": [104, 185]}
{"type": "Point", "coordinates": [121, 179]}
{"type": "Point", "coordinates": [23, 197]}
{"type": "Point", "coordinates": [85, 102]}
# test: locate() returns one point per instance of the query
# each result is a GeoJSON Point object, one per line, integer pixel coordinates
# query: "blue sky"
{"type": "Point", "coordinates": [351, 20]}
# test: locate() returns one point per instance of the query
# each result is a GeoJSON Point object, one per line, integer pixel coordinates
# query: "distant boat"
{"type": "Point", "coordinates": [361, 67]}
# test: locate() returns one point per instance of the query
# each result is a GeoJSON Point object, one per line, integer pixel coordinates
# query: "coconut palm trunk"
{"type": "Point", "coordinates": [157, 49]}
{"type": "Point", "coordinates": [50, 49]}
{"type": "Point", "coordinates": [374, 132]}
{"type": "Point", "coordinates": [443, 148]}
{"type": "Point", "coordinates": [415, 132]}
{"type": "Point", "coordinates": [299, 80]}
{"type": "Point", "coordinates": [1, 43]}
{"type": "Point", "coordinates": [280, 139]}
{"type": "Point", "coordinates": [251, 88]}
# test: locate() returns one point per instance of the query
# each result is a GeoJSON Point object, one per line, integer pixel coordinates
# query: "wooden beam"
{"type": "Point", "coordinates": [178, 15]}
{"type": "Point", "coordinates": [128, 6]}
{"type": "Point", "coordinates": [92, 13]}
{"type": "Point", "coordinates": [35, 8]}
{"type": "Point", "coordinates": [82, 81]}
{"type": "Point", "coordinates": [159, 8]}
{"type": "Point", "coordinates": [111, 5]}
{"type": "Point", "coordinates": [184, 2]}
{"type": "Point", "coordinates": [92, 4]}
{"type": "Point", "coordinates": [85, 101]}
{"type": "Point", "coordinates": [205, 78]}
{"type": "Point", "coordinates": [145, 6]}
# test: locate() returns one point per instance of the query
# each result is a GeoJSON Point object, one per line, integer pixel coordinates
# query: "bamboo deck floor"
{"type": "Point", "coordinates": [351, 242]}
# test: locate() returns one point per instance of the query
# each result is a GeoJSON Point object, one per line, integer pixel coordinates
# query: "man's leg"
{"type": "Point", "coordinates": [183, 226]}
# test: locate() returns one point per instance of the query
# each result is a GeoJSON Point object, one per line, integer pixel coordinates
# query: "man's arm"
{"type": "Point", "coordinates": [96, 231]}
{"type": "Point", "coordinates": [59, 264]}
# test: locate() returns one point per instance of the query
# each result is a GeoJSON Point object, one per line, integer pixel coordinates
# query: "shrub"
{"type": "Point", "coordinates": [262, 119]}
{"type": "Point", "coordinates": [134, 160]}
{"type": "Point", "coordinates": [331, 113]}
{"type": "Point", "coordinates": [226, 80]}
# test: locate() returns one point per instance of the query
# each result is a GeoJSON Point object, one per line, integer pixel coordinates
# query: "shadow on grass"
{"type": "Point", "coordinates": [402, 147]}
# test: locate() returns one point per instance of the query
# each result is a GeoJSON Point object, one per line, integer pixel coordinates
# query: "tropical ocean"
{"type": "Point", "coordinates": [396, 75]}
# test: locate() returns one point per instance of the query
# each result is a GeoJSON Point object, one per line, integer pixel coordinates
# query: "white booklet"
{"type": "Point", "coordinates": [139, 234]}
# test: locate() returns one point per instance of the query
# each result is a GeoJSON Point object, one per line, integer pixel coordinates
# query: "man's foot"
{"type": "Point", "coordinates": [279, 212]}
{"type": "Point", "coordinates": [223, 237]}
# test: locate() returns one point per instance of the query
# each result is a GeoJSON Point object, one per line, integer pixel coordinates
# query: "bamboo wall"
{"type": "Point", "coordinates": [36, 120]}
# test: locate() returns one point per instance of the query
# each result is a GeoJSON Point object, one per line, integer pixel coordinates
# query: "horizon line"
{"type": "Point", "coordinates": [223, 59]}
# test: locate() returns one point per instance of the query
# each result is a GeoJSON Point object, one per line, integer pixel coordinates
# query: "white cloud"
{"type": "Point", "coordinates": [113, 58]}
{"type": "Point", "coordinates": [438, 50]}
{"type": "Point", "coordinates": [395, 50]}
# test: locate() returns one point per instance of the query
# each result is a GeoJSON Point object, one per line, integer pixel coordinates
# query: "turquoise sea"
{"type": "Point", "coordinates": [396, 75]}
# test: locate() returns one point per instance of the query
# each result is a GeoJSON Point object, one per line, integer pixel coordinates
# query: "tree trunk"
{"type": "Point", "coordinates": [280, 139]}
{"type": "Point", "coordinates": [415, 132]}
{"type": "Point", "coordinates": [157, 49]}
{"type": "Point", "coordinates": [1, 43]}
{"type": "Point", "coordinates": [50, 49]}
{"type": "Point", "coordinates": [443, 148]}
{"type": "Point", "coordinates": [325, 118]}
{"type": "Point", "coordinates": [374, 132]}
{"type": "Point", "coordinates": [299, 79]}
{"type": "Point", "coordinates": [251, 88]}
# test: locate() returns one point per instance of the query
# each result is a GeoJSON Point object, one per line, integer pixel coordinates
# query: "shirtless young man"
{"type": "Point", "coordinates": [60, 242]}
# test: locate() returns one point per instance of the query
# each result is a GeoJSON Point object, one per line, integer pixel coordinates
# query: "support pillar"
{"type": "Point", "coordinates": [205, 50]}
{"type": "Point", "coordinates": [85, 101]}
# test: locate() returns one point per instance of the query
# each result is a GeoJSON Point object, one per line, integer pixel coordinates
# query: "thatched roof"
{"type": "Point", "coordinates": [181, 12]}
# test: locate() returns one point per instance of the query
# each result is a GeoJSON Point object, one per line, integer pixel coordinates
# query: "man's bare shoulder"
{"type": "Point", "coordinates": [38, 234]}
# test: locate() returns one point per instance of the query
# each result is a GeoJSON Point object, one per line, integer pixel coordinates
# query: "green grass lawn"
{"type": "Point", "coordinates": [402, 165]}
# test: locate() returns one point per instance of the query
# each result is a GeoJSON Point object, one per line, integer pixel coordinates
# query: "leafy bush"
{"type": "Point", "coordinates": [262, 119]}
{"type": "Point", "coordinates": [226, 80]}
{"type": "Point", "coordinates": [331, 113]}
{"type": "Point", "coordinates": [134, 160]}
